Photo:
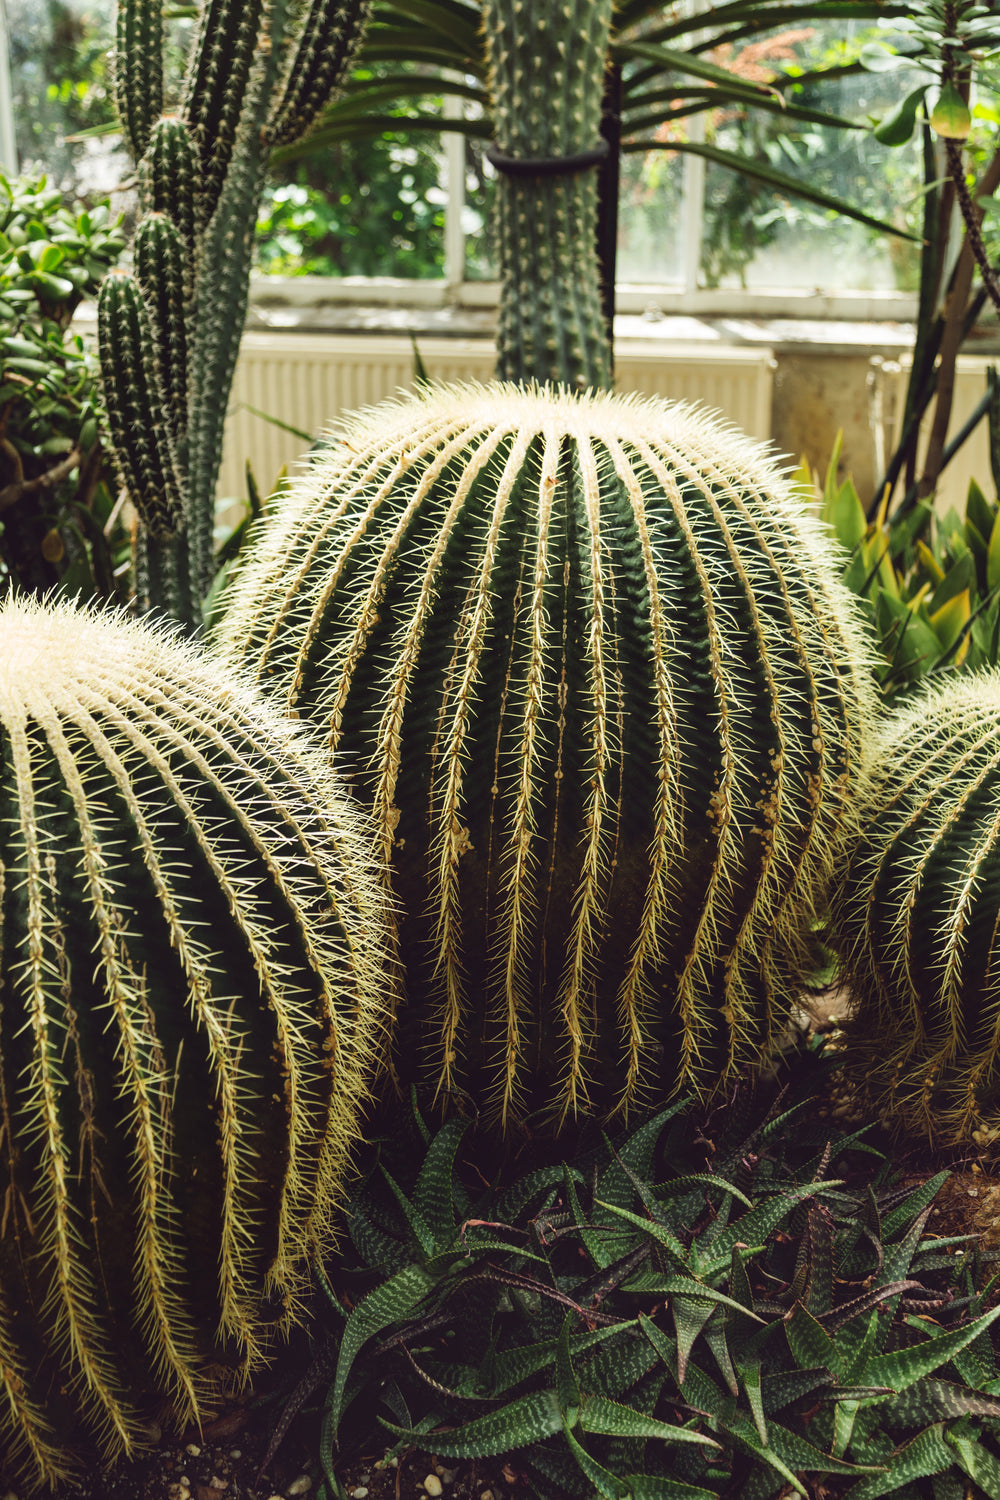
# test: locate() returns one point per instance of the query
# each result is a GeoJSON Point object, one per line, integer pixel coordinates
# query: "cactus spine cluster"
{"type": "Point", "coordinates": [257, 77]}
{"type": "Point", "coordinates": [918, 915]}
{"type": "Point", "coordinates": [588, 660]}
{"type": "Point", "coordinates": [547, 65]}
{"type": "Point", "coordinates": [191, 972]}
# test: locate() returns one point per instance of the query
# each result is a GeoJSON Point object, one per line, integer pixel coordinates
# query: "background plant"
{"type": "Point", "coordinates": [57, 494]}
{"type": "Point", "coordinates": [656, 1319]}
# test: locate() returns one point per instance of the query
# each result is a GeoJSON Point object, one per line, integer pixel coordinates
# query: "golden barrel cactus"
{"type": "Point", "coordinates": [918, 918]}
{"type": "Point", "coordinates": [191, 972]}
{"type": "Point", "coordinates": [588, 659]}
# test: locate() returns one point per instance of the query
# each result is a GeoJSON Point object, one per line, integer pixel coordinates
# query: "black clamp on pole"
{"type": "Point", "coordinates": [546, 166]}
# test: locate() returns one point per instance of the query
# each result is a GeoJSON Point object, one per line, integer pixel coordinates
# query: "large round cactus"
{"type": "Point", "coordinates": [918, 916]}
{"type": "Point", "coordinates": [588, 659]}
{"type": "Point", "coordinates": [190, 974]}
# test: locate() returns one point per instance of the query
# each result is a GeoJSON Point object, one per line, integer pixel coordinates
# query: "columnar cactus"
{"type": "Point", "coordinates": [258, 75]}
{"type": "Point", "coordinates": [588, 660]}
{"type": "Point", "coordinates": [191, 974]}
{"type": "Point", "coordinates": [547, 64]}
{"type": "Point", "coordinates": [918, 916]}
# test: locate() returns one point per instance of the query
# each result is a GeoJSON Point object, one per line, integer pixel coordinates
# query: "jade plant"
{"type": "Point", "coordinates": [587, 659]}
{"type": "Point", "coordinates": [652, 1321]}
{"type": "Point", "coordinates": [191, 974]}
{"type": "Point", "coordinates": [916, 916]}
{"type": "Point", "coordinates": [257, 76]}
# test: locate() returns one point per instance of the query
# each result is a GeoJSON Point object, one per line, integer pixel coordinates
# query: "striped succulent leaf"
{"type": "Point", "coordinates": [191, 975]}
{"type": "Point", "coordinates": [587, 659]}
{"type": "Point", "coordinates": [918, 917]}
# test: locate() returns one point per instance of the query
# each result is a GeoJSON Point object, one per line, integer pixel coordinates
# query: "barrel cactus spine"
{"type": "Point", "coordinates": [191, 976]}
{"type": "Point", "coordinates": [590, 663]}
{"type": "Point", "coordinates": [917, 915]}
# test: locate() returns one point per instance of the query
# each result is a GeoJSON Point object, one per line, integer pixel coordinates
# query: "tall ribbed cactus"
{"type": "Point", "coordinates": [588, 660]}
{"type": "Point", "coordinates": [258, 75]}
{"type": "Point", "coordinates": [547, 62]}
{"type": "Point", "coordinates": [918, 917]}
{"type": "Point", "coordinates": [191, 974]}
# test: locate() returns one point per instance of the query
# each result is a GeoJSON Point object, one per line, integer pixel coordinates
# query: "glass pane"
{"type": "Point", "coordinates": [757, 236]}
{"type": "Point", "coordinates": [481, 257]}
{"type": "Point", "coordinates": [59, 55]}
{"type": "Point", "coordinates": [650, 204]}
{"type": "Point", "coordinates": [359, 208]}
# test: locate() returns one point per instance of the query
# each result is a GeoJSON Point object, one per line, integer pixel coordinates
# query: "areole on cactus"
{"type": "Point", "coordinates": [589, 661]}
{"type": "Point", "coordinates": [191, 980]}
{"type": "Point", "coordinates": [918, 917]}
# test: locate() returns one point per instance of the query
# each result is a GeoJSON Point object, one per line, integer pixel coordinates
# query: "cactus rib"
{"type": "Point", "coordinates": [192, 953]}
{"type": "Point", "coordinates": [592, 667]}
{"type": "Point", "coordinates": [138, 70]}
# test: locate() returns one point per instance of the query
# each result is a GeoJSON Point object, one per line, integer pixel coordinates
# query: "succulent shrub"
{"type": "Point", "coordinates": [256, 78]}
{"type": "Point", "coordinates": [641, 1320]}
{"type": "Point", "coordinates": [916, 915]}
{"type": "Point", "coordinates": [190, 977]}
{"type": "Point", "coordinates": [588, 660]}
{"type": "Point", "coordinates": [56, 486]}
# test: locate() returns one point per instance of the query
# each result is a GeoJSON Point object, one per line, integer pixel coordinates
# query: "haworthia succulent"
{"type": "Point", "coordinates": [191, 973]}
{"type": "Point", "coordinates": [918, 917]}
{"type": "Point", "coordinates": [588, 660]}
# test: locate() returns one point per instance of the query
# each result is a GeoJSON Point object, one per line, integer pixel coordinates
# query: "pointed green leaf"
{"type": "Point", "coordinates": [389, 1303]}
{"type": "Point", "coordinates": [690, 1317]}
{"type": "Point", "coordinates": [751, 1384]}
{"type": "Point", "coordinates": [809, 1343]}
{"type": "Point", "coordinates": [567, 1387]}
{"type": "Point", "coordinates": [977, 1461]}
{"type": "Point", "coordinates": [904, 1367]}
{"type": "Point", "coordinates": [529, 1419]}
{"type": "Point", "coordinates": [926, 1454]}
{"type": "Point", "coordinates": [611, 1419]}
{"type": "Point", "coordinates": [432, 1195]}
{"type": "Point", "coordinates": [896, 127]}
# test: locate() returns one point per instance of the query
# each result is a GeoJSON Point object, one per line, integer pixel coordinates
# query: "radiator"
{"type": "Point", "coordinates": [307, 381]}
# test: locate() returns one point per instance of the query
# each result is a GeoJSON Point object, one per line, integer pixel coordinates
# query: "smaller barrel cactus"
{"type": "Point", "coordinates": [918, 917]}
{"type": "Point", "coordinates": [589, 660]}
{"type": "Point", "coordinates": [190, 978]}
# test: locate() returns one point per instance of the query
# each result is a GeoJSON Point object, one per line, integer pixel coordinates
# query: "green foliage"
{"type": "Point", "coordinates": [931, 583]}
{"type": "Point", "coordinates": [638, 1322]}
{"type": "Point", "coordinates": [588, 660]}
{"type": "Point", "coordinates": [356, 208]}
{"type": "Point", "coordinates": [56, 493]}
{"type": "Point", "coordinates": [916, 917]}
{"type": "Point", "coordinates": [192, 970]}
